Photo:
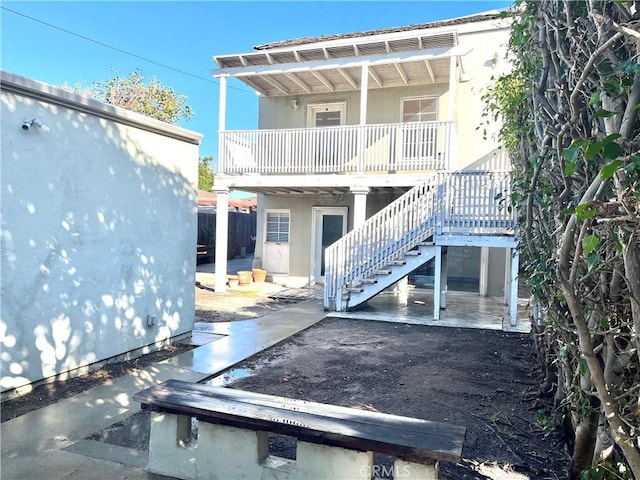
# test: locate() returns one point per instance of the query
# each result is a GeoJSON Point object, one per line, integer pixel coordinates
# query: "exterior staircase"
{"type": "Point", "coordinates": [411, 231]}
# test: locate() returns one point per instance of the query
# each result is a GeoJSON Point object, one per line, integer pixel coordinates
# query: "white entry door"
{"type": "Point", "coordinates": [326, 142]}
{"type": "Point", "coordinates": [329, 224]}
{"type": "Point", "coordinates": [276, 245]}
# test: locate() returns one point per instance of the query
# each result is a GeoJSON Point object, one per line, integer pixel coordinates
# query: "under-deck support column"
{"type": "Point", "coordinates": [484, 272]}
{"type": "Point", "coordinates": [437, 283]}
{"type": "Point", "coordinates": [359, 205]}
{"type": "Point", "coordinates": [513, 287]}
{"type": "Point", "coordinates": [444, 272]}
{"type": "Point", "coordinates": [222, 235]}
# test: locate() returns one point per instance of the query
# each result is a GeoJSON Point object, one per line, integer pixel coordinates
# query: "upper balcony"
{"type": "Point", "coordinates": [364, 149]}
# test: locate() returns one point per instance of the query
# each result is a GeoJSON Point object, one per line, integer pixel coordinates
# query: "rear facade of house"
{"type": "Point", "coordinates": [372, 160]}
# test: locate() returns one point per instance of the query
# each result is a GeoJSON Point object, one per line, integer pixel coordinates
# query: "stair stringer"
{"type": "Point", "coordinates": [358, 294]}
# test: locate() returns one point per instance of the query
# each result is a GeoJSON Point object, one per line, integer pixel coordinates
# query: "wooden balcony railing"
{"type": "Point", "coordinates": [351, 148]}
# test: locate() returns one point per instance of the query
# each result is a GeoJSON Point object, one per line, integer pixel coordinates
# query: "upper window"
{"type": "Point", "coordinates": [420, 109]}
{"type": "Point", "coordinates": [278, 226]}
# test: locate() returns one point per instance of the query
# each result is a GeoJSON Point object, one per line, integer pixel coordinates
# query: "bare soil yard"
{"type": "Point", "coordinates": [486, 381]}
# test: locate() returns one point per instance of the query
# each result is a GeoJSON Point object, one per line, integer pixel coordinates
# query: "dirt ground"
{"type": "Point", "coordinates": [483, 380]}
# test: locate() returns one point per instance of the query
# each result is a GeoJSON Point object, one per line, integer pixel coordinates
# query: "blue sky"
{"type": "Point", "coordinates": [185, 36]}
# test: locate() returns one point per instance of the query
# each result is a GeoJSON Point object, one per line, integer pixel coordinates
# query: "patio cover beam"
{"type": "Point", "coordinates": [350, 62]}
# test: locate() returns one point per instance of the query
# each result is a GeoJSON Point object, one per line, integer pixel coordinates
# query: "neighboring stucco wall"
{"type": "Point", "coordinates": [98, 231]}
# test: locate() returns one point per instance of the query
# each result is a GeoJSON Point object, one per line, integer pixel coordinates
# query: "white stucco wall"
{"type": "Point", "coordinates": [98, 231]}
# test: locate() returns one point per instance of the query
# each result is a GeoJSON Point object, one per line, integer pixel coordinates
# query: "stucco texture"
{"type": "Point", "coordinates": [98, 232]}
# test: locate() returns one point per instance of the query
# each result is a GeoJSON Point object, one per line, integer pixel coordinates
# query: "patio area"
{"type": "Point", "coordinates": [465, 309]}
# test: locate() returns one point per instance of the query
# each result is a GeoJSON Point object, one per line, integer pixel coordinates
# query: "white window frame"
{"type": "Point", "coordinates": [312, 108]}
{"type": "Point", "coordinates": [266, 226]}
{"type": "Point", "coordinates": [420, 97]}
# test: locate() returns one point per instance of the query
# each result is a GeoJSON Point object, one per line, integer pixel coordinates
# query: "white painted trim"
{"type": "Point", "coordinates": [313, 108]}
{"type": "Point", "coordinates": [483, 240]}
{"type": "Point", "coordinates": [350, 62]}
{"type": "Point", "coordinates": [456, 31]}
{"type": "Point", "coordinates": [420, 97]}
{"type": "Point", "coordinates": [316, 242]}
{"type": "Point", "coordinates": [265, 221]}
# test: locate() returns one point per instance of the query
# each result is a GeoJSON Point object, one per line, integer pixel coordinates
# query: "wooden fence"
{"type": "Point", "coordinates": [242, 233]}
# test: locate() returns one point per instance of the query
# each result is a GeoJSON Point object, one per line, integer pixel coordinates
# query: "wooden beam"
{"type": "Point", "coordinates": [326, 53]}
{"type": "Point", "coordinates": [324, 81]}
{"type": "Point", "coordinates": [348, 78]}
{"type": "Point", "coordinates": [243, 60]}
{"type": "Point", "coordinates": [275, 84]}
{"type": "Point", "coordinates": [255, 86]}
{"type": "Point", "coordinates": [430, 71]}
{"type": "Point", "coordinates": [401, 73]}
{"type": "Point", "coordinates": [375, 77]}
{"type": "Point", "coordinates": [298, 82]}
{"type": "Point", "coordinates": [348, 62]}
{"type": "Point", "coordinates": [269, 58]}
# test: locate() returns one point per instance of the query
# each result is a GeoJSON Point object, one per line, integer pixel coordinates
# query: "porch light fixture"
{"type": "Point", "coordinates": [295, 104]}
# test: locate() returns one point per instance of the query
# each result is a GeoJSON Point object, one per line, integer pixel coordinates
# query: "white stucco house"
{"type": "Point", "coordinates": [370, 159]}
{"type": "Point", "coordinates": [98, 232]}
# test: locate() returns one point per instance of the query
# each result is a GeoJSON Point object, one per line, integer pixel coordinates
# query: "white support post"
{"type": "Point", "coordinates": [222, 235]}
{"type": "Point", "coordinates": [437, 283]}
{"type": "Point", "coordinates": [444, 272]}
{"type": "Point", "coordinates": [513, 303]}
{"type": "Point", "coordinates": [484, 272]}
{"type": "Point", "coordinates": [222, 111]}
{"type": "Point", "coordinates": [364, 93]}
{"type": "Point", "coordinates": [359, 205]}
{"type": "Point", "coordinates": [507, 276]}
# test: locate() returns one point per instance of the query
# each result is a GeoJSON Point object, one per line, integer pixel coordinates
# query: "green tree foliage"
{"type": "Point", "coordinates": [147, 98]}
{"type": "Point", "coordinates": [205, 173]}
{"type": "Point", "coordinates": [570, 115]}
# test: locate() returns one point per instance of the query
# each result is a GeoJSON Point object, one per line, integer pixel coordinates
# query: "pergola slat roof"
{"type": "Point", "coordinates": [403, 56]}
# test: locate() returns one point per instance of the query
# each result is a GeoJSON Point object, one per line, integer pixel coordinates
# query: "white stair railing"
{"type": "Point", "coordinates": [393, 231]}
{"type": "Point", "coordinates": [447, 202]}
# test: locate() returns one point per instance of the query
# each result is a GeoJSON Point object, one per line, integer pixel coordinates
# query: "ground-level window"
{"type": "Point", "coordinates": [278, 226]}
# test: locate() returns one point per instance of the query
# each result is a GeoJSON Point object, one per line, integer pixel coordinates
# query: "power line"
{"type": "Point", "coordinates": [122, 51]}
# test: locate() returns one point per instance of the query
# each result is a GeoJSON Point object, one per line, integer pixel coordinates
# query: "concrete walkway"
{"type": "Point", "coordinates": [51, 443]}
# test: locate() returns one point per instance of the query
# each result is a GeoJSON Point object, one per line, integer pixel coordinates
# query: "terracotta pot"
{"type": "Point", "coordinates": [233, 281]}
{"type": "Point", "coordinates": [259, 275]}
{"type": "Point", "coordinates": [244, 277]}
